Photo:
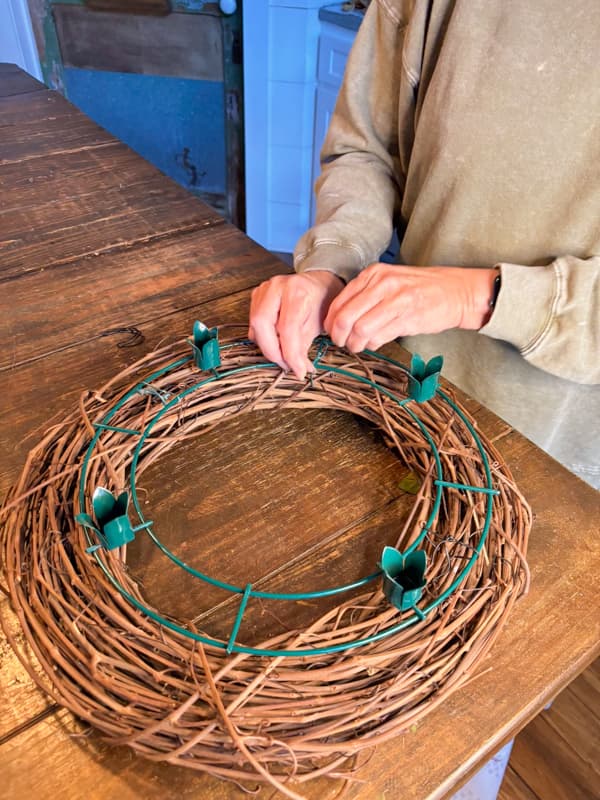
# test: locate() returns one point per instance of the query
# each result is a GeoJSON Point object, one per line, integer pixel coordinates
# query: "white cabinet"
{"type": "Point", "coordinates": [280, 77]}
{"type": "Point", "coordinates": [17, 44]}
{"type": "Point", "coordinates": [293, 67]}
{"type": "Point", "coordinates": [334, 46]}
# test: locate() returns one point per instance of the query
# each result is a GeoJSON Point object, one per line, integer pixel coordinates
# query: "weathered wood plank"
{"type": "Point", "coordinates": [59, 209]}
{"type": "Point", "coordinates": [548, 777]}
{"type": "Point", "coordinates": [573, 718]}
{"type": "Point", "coordinates": [15, 81]}
{"type": "Point", "coordinates": [586, 688]}
{"type": "Point", "coordinates": [41, 390]}
{"type": "Point", "coordinates": [267, 488]}
{"type": "Point", "coordinates": [127, 287]}
{"type": "Point", "coordinates": [579, 725]}
{"type": "Point", "coordinates": [159, 7]}
{"type": "Point", "coordinates": [42, 124]}
{"type": "Point", "coordinates": [178, 45]}
{"type": "Point", "coordinates": [514, 787]}
{"type": "Point", "coordinates": [85, 766]}
{"type": "Point", "coordinates": [349, 548]}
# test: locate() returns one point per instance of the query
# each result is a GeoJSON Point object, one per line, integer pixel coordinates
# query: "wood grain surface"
{"type": "Point", "coordinates": [16, 82]}
{"type": "Point", "coordinates": [42, 125]}
{"type": "Point", "coordinates": [93, 239]}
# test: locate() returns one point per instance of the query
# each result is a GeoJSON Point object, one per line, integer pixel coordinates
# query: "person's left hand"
{"type": "Point", "coordinates": [389, 300]}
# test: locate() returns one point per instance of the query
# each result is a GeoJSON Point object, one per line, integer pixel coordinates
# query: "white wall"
{"type": "Point", "coordinates": [17, 45]}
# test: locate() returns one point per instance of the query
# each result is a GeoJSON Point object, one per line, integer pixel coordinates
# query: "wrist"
{"type": "Point", "coordinates": [484, 286]}
{"type": "Point", "coordinates": [326, 278]}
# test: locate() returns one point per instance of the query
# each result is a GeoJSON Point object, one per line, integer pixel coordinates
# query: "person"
{"type": "Point", "coordinates": [472, 127]}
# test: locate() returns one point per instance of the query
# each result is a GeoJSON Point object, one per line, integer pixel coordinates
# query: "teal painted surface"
{"type": "Point", "coordinates": [175, 123]}
{"type": "Point", "coordinates": [187, 5]}
{"type": "Point", "coordinates": [192, 132]}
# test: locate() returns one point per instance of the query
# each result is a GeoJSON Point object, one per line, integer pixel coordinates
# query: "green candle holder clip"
{"type": "Point", "coordinates": [404, 578]}
{"type": "Point", "coordinates": [111, 522]}
{"type": "Point", "coordinates": [424, 378]}
{"type": "Point", "coordinates": [205, 345]}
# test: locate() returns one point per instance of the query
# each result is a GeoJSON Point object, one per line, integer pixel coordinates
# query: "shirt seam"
{"type": "Point", "coordinates": [391, 14]}
{"type": "Point", "coordinates": [413, 78]}
{"type": "Point", "coordinates": [348, 245]}
{"type": "Point", "coordinates": [538, 340]}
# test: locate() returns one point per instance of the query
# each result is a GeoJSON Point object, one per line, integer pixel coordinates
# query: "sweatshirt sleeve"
{"type": "Point", "coordinates": [360, 186]}
{"type": "Point", "coordinates": [551, 314]}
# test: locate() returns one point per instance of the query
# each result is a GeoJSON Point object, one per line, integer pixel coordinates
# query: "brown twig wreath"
{"type": "Point", "coordinates": [282, 718]}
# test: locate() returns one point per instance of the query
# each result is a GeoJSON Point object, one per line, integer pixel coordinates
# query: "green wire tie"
{"type": "Point", "coordinates": [466, 487]}
{"type": "Point", "coordinates": [323, 344]}
{"type": "Point", "coordinates": [238, 618]}
{"type": "Point", "coordinates": [205, 346]}
{"type": "Point", "coordinates": [152, 391]}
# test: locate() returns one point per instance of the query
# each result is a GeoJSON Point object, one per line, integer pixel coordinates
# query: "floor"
{"type": "Point", "coordinates": [557, 756]}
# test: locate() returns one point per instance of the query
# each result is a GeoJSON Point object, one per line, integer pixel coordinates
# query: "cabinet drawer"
{"type": "Point", "coordinates": [333, 53]}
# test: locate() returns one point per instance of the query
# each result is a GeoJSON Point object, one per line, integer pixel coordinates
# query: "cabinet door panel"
{"type": "Point", "coordinates": [333, 53]}
{"type": "Point", "coordinates": [168, 86]}
{"type": "Point", "coordinates": [325, 104]}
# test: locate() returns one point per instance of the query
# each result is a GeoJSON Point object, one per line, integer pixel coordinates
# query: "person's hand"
{"type": "Point", "coordinates": [287, 313]}
{"type": "Point", "coordinates": [388, 300]}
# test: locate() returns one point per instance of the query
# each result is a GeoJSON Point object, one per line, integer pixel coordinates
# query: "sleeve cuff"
{"type": "Point", "coordinates": [344, 260]}
{"type": "Point", "coordinates": [524, 309]}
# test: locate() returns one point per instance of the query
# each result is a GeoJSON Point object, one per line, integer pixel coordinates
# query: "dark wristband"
{"type": "Point", "coordinates": [496, 290]}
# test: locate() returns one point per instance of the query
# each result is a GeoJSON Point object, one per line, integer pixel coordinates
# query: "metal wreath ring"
{"type": "Point", "coordinates": [301, 704]}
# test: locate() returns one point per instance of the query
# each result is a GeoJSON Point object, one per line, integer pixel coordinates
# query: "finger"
{"type": "Point", "coordinates": [342, 322]}
{"type": "Point", "coordinates": [264, 313]}
{"type": "Point", "coordinates": [372, 327]}
{"type": "Point", "coordinates": [297, 328]}
{"type": "Point", "coordinates": [348, 293]}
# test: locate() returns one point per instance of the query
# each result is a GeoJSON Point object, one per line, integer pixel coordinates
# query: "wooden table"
{"type": "Point", "coordinates": [93, 239]}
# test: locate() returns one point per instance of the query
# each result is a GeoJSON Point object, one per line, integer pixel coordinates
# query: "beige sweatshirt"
{"type": "Point", "coordinates": [473, 126]}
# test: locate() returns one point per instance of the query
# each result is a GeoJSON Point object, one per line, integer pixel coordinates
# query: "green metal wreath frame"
{"type": "Point", "coordinates": [423, 382]}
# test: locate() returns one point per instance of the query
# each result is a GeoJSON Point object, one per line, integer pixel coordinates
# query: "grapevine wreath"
{"type": "Point", "coordinates": [303, 703]}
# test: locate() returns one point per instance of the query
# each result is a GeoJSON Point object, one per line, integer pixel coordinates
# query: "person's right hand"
{"type": "Point", "coordinates": [287, 313]}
